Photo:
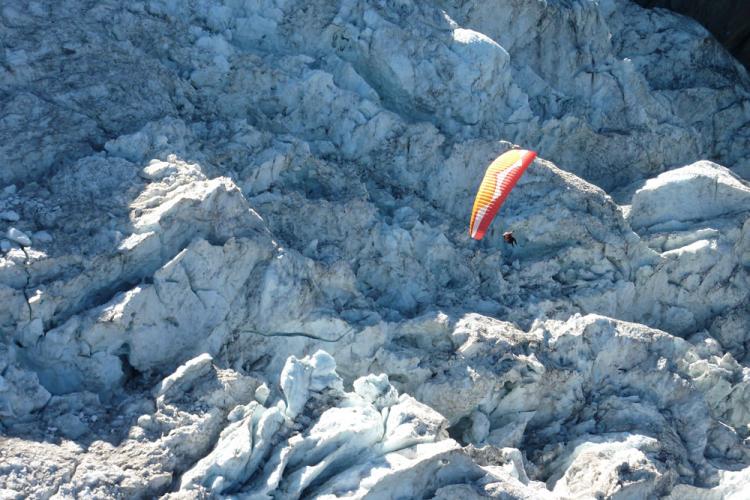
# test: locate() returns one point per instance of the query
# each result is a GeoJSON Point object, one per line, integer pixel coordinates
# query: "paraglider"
{"type": "Point", "coordinates": [499, 179]}
{"type": "Point", "coordinates": [509, 239]}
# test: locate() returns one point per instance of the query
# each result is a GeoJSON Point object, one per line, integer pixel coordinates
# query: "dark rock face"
{"type": "Point", "coordinates": [728, 20]}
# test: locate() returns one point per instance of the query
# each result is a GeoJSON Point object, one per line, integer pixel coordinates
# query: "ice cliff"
{"type": "Point", "coordinates": [235, 264]}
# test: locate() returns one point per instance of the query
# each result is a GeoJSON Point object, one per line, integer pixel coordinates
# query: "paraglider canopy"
{"type": "Point", "coordinates": [499, 179]}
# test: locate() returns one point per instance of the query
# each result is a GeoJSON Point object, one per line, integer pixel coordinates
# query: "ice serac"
{"type": "Point", "coordinates": [727, 20]}
{"type": "Point", "coordinates": [321, 441]}
{"type": "Point", "coordinates": [134, 452]}
{"type": "Point", "coordinates": [590, 378]}
{"type": "Point", "coordinates": [696, 217]}
{"type": "Point", "coordinates": [699, 191]}
{"type": "Point", "coordinates": [81, 324]}
{"type": "Point", "coordinates": [234, 258]}
{"type": "Point", "coordinates": [636, 96]}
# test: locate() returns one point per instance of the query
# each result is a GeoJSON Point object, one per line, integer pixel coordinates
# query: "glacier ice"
{"type": "Point", "coordinates": [234, 258]}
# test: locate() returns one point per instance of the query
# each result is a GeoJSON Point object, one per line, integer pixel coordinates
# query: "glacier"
{"type": "Point", "coordinates": [234, 259]}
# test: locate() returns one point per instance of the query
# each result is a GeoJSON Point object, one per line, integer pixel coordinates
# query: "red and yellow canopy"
{"type": "Point", "coordinates": [501, 176]}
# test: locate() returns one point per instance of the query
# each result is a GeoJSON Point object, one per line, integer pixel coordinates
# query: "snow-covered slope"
{"type": "Point", "coordinates": [235, 256]}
